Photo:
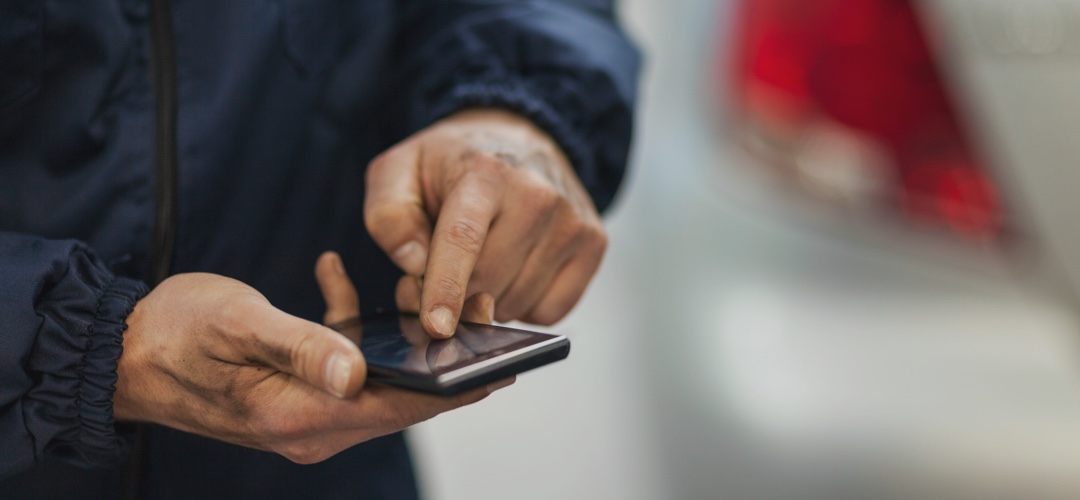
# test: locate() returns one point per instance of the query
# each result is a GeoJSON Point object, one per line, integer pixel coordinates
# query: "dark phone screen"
{"type": "Point", "coordinates": [399, 343]}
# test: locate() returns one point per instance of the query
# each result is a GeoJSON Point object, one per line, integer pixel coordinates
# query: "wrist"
{"type": "Point", "coordinates": [509, 122]}
{"type": "Point", "coordinates": [126, 406]}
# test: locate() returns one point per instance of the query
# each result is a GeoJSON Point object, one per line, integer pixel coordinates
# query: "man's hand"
{"type": "Point", "coordinates": [484, 206]}
{"type": "Point", "coordinates": [209, 355]}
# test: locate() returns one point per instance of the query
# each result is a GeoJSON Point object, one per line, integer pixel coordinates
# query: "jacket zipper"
{"type": "Point", "coordinates": [163, 77]}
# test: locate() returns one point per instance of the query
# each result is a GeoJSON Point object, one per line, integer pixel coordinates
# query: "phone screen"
{"type": "Point", "coordinates": [399, 343]}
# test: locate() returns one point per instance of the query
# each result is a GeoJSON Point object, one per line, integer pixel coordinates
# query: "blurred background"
{"type": "Point", "coordinates": [844, 265]}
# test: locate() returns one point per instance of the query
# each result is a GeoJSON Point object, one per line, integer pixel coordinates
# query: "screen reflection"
{"type": "Point", "coordinates": [399, 342]}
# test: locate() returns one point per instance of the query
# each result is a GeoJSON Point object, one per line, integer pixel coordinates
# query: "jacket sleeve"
{"type": "Point", "coordinates": [564, 64]}
{"type": "Point", "coordinates": [61, 323]}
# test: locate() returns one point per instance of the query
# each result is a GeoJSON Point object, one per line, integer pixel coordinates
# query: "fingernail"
{"type": "Point", "coordinates": [443, 321]}
{"type": "Point", "coordinates": [411, 257]}
{"type": "Point", "coordinates": [339, 266]}
{"type": "Point", "coordinates": [338, 372]}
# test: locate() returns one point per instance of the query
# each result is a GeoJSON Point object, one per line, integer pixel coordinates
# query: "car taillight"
{"type": "Point", "coordinates": [846, 97]}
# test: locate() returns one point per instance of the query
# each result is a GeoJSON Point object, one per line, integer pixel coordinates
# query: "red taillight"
{"type": "Point", "coordinates": [862, 69]}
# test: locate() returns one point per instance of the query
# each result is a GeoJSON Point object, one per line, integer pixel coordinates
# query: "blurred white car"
{"type": "Point", "coordinates": [947, 132]}
{"type": "Point", "coordinates": [890, 347]}
{"type": "Point", "coordinates": [952, 124]}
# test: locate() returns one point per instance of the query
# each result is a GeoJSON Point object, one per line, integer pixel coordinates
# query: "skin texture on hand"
{"type": "Point", "coordinates": [209, 355]}
{"type": "Point", "coordinates": [488, 211]}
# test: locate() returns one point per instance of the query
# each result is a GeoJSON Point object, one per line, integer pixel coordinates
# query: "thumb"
{"type": "Point", "coordinates": [309, 351]}
{"type": "Point", "coordinates": [394, 208]}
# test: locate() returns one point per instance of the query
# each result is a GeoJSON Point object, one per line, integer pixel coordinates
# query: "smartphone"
{"type": "Point", "coordinates": [400, 353]}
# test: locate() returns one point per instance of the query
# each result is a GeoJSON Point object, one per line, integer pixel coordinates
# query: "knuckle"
{"type": "Point", "coordinates": [228, 318]}
{"type": "Point", "coordinates": [479, 160]}
{"type": "Point", "coordinates": [487, 164]}
{"type": "Point", "coordinates": [377, 165]}
{"type": "Point", "coordinates": [552, 310]}
{"type": "Point", "coordinates": [588, 236]}
{"type": "Point", "coordinates": [233, 314]}
{"type": "Point", "coordinates": [382, 219]}
{"type": "Point", "coordinates": [485, 180]}
{"type": "Point", "coordinates": [542, 197]}
{"type": "Point", "coordinates": [466, 235]}
{"type": "Point", "coordinates": [372, 218]}
{"type": "Point", "coordinates": [231, 321]}
{"type": "Point", "coordinates": [373, 170]}
{"type": "Point", "coordinates": [572, 231]}
{"type": "Point", "coordinates": [483, 166]}
{"type": "Point", "coordinates": [508, 312]}
{"type": "Point", "coordinates": [597, 239]}
{"type": "Point", "coordinates": [544, 318]}
{"type": "Point", "coordinates": [448, 288]}
{"type": "Point", "coordinates": [300, 352]}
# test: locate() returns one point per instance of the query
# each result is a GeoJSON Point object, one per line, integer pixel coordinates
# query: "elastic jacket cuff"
{"type": "Point", "coordinates": [76, 356]}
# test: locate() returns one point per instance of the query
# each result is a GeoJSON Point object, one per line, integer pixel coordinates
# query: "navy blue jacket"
{"type": "Point", "coordinates": [282, 103]}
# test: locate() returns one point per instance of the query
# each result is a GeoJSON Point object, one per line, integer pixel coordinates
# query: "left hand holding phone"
{"type": "Point", "coordinates": [209, 355]}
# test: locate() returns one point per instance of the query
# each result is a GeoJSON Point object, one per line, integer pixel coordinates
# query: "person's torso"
{"type": "Point", "coordinates": [279, 113]}
{"type": "Point", "coordinates": [280, 109]}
